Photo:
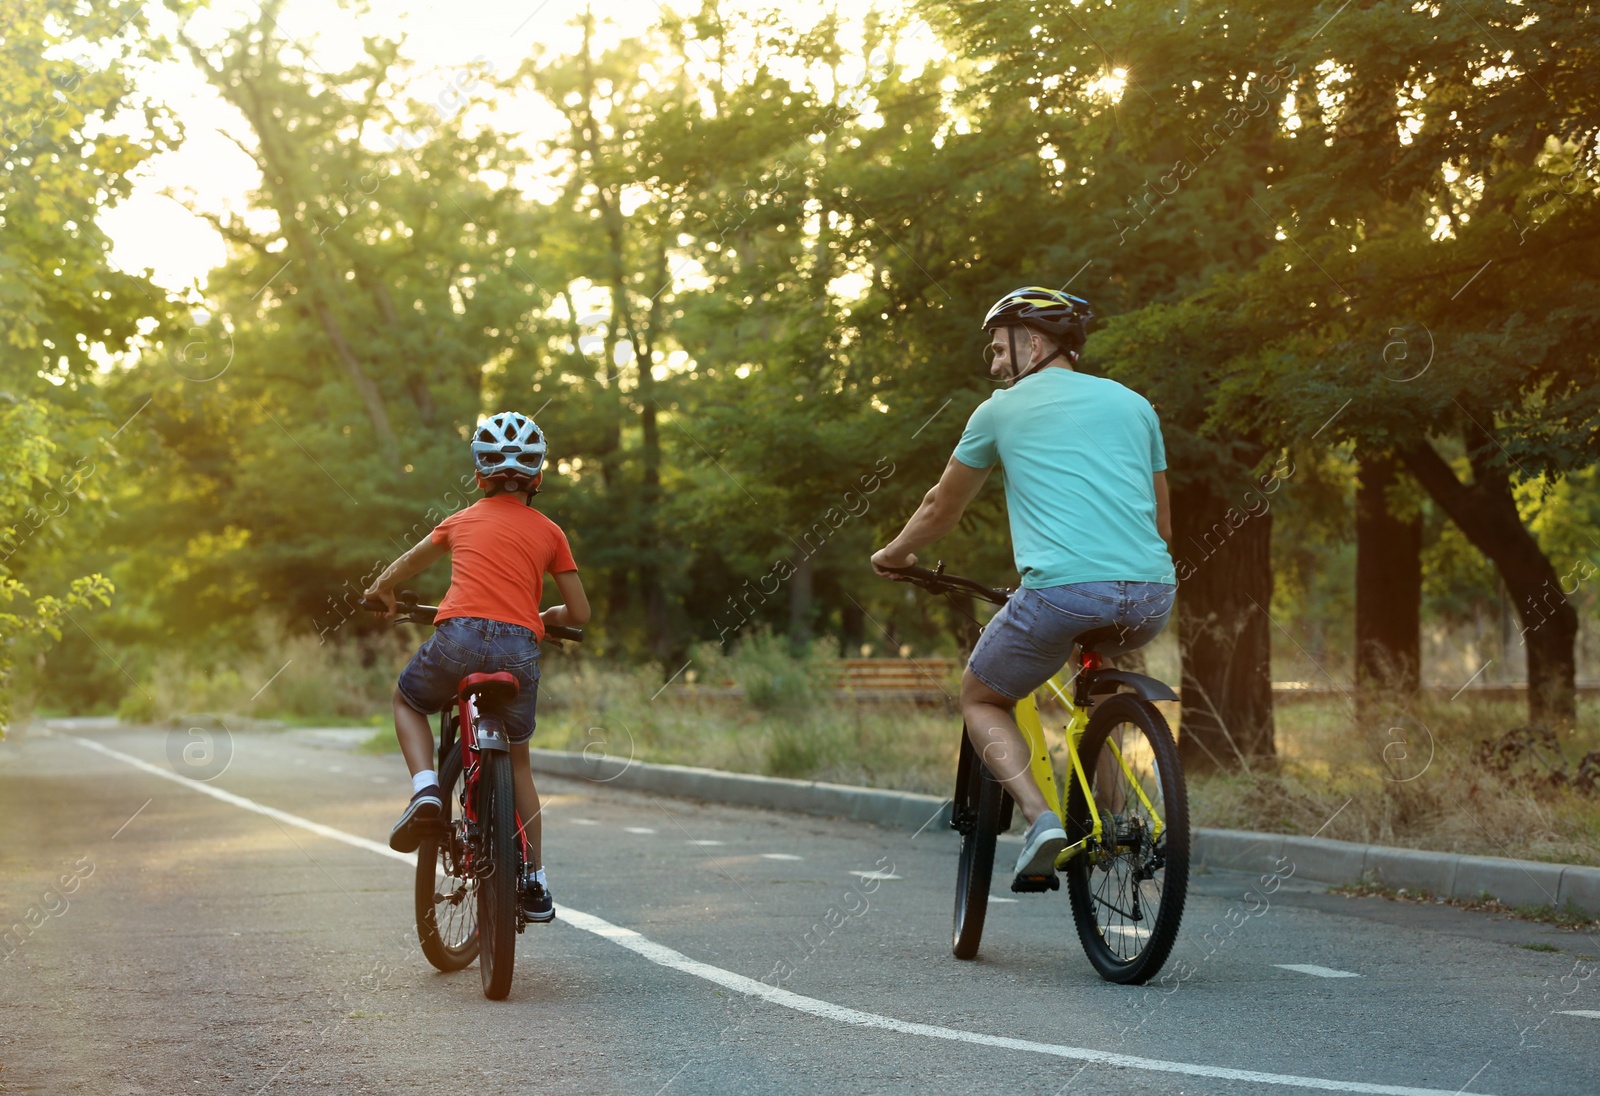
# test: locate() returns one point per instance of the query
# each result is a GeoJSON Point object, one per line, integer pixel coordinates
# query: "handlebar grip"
{"type": "Point", "coordinates": [562, 631]}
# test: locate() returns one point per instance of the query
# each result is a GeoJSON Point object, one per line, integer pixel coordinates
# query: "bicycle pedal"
{"type": "Point", "coordinates": [1035, 884]}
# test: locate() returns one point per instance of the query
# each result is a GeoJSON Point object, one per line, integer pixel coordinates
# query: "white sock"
{"type": "Point", "coordinates": [538, 877]}
{"type": "Point", "coordinates": [424, 779]}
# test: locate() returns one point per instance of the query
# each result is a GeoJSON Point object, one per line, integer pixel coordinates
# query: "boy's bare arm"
{"type": "Point", "coordinates": [418, 559]}
{"type": "Point", "coordinates": [574, 609]}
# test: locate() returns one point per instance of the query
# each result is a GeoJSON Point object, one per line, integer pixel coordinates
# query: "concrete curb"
{"type": "Point", "coordinates": [1447, 875]}
{"type": "Point", "coordinates": [1317, 859]}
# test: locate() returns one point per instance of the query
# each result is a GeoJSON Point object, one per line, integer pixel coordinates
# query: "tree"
{"type": "Point", "coordinates": [73, 130]}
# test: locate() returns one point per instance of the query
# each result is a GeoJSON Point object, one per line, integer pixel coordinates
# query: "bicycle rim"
{"type": "Point", "coordinates": [497, 878]}
{"type": "Point", "coordinates": [1127, 896]}
{"type": "Point", "coordinates": [446, 892]}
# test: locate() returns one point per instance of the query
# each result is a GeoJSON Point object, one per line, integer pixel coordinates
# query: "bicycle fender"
{"type": "Point", "coordinates": [1146, 688]}
{"type": "Point", "coordinates": [491, 735]}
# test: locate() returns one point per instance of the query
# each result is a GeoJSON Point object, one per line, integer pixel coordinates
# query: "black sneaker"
{"type": "Point", "coordinates": [424, 807]}
{"type": "Point", "coordinates": [537, 906]}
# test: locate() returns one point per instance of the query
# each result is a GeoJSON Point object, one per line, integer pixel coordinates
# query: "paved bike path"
{"type": "Point", "coordinates": [215, 949]}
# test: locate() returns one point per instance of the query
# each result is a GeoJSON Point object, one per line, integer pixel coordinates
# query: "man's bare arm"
{"type": "Point", "coordinates": [939, 513]}
{"type": "Point", "coordinates": [1163, 508]}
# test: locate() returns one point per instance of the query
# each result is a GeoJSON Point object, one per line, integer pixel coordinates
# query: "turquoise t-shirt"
{"type": "Point", "coordinates": [1079, 455]}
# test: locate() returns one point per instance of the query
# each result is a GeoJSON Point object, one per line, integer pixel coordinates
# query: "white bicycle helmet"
{"type": "Point", "coordinates": [508, 445]}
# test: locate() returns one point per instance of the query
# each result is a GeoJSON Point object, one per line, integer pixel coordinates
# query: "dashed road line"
{"type": "Point", "coordinates": [1312, 968]}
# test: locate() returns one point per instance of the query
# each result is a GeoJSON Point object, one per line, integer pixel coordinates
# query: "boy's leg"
{"type": "Point", "coordinates": [528, 804]}
{"type": "Point", "coordinates": [416, 736]}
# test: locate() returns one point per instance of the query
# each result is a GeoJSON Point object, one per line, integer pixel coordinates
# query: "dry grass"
{"type": "Point", "coordinates": [1415, 778]}
{"type": "Point", "coordinates": [287, 677]}
{"type": "Point", "coordinates": [1406, 777]}
{"type": "Point", "coordinates": [608, 710]}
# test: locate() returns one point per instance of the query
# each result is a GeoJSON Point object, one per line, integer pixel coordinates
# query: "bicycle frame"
{"type": "Point", "coordinates": [466, 719]}
{"type": "Point", "coordinates": [1031, 725]}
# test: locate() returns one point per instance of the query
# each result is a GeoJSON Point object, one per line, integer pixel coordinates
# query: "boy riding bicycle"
{"type": "Point", "coordinates": [488, 621]}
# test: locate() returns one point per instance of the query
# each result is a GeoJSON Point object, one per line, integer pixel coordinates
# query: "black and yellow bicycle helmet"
{"type": "Point", "coordinates": [1060, 315]}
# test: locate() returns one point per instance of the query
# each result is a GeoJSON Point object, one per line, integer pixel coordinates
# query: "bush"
{"type": "Point", "coordinates": [774, 677]}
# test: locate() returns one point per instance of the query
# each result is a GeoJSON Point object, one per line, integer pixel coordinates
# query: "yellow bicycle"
{"type": "Point", "coordinates": [1125, 809]}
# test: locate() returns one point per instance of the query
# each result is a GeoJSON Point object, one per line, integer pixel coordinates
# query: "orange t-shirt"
{"type": "Point", "coordinates": [500, 550]}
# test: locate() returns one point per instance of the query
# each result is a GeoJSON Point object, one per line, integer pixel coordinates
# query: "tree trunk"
{"type": "Point", "coordinates": [1224, 563]}
{"type": "Point", "coordinates": [800, 601]}
{"type": "Point", "coordinates": [658, 621]}
{"type": "Point", "coordinates": [1388, 586]}
{"type": "Point", "coordinates": [1486, 512]}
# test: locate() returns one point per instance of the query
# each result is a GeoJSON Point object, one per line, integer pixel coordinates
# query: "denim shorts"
{"type": "Point", "coordinates": [470, 645]}
{"type": "Point", "coordinates": [1032, 635]}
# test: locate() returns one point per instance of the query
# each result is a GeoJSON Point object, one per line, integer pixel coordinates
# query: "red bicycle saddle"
{"type": "Point", "coordinates": [489, 689]}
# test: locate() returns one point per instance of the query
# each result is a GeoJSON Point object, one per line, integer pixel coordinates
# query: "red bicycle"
{"type": "Point", "coordinates": [471, 858]}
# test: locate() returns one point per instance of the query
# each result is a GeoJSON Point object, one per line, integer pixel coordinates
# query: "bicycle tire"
{"type": "Point", "coordinates": [978, 806]}
{"type": "Point", "coordinates": [1091, 874]}
{"type": "Point", "coordinates": [452, 945]}
{"type": "Point", "coordinates": [497, 881]}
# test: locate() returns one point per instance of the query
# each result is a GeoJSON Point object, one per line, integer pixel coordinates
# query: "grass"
{"type": "Point", "coordinates": [1416, 777]}
{"type": "Point", "coordinates": [1565, 918]}
{"type": "Point", "coordinates": [1408, 776]}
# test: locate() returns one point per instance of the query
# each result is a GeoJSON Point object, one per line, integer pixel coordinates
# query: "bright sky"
{"type": "Point", "coordinates": [151, 230]}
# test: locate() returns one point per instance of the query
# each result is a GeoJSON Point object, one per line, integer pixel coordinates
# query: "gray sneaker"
{"type": "Point", "coordinates": [1041, 845]}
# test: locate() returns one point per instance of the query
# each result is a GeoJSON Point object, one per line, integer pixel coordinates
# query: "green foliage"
{"type": "Point", "coordinates": [742, 298]}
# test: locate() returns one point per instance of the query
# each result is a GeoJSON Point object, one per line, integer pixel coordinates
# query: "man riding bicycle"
{"type": "Point", "coordinates": [1086, 487]}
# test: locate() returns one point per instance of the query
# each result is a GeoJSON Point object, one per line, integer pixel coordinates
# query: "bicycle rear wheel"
{"type": "Point", "coordinates": [446, 893]}
{"type": "Point", "coordinates": [497, 880]}
{"type": "Point", "coordinates": [1127, 896]}
{"type": "Point", "coordinates": [976, 814]}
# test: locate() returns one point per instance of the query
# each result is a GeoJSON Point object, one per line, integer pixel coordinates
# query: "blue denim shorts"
{"type": "Point", "coordinates": [1032, 635]}
{"type": "Point", "coordinates": [470, 645]}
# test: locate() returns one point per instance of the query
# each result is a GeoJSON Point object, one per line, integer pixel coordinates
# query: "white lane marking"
{"type": "Point", "coordinates": [780, 856]}
{"type": "Point", "coordinates": [1589, 1012]}
{"type": "Point", "coordinates": [877, 875]}
{"type": "Point", "coordinates": [997, 898]}
{"type": "Point", "coordinates": [583, 822]}
{"type": "Point", "coordinates": [706, 844]}
{"type": "Point", "coordinates": [666, 957]}
{"type": "Point", "coordinates": [1312, 968]}
{"type": "Point", "coordinates": [638, 829]}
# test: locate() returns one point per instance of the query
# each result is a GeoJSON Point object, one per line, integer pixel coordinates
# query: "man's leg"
{"type": "Point", "coordinates": [415, 735]}
{"type": "Point", "coordinates": [528, 804]}
{"type": "Point", "coordinates": [994, 734]}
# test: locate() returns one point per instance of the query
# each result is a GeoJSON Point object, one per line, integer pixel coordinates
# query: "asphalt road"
{"type": "Point", "coordinates": [252, 934]}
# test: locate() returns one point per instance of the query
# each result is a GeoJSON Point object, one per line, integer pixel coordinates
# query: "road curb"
{"type": "Point", "coordinates": [1316, 859]}
{"type": "Point", "coordinates": [1447, 875]}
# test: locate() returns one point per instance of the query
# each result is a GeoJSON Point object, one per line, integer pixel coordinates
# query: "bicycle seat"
{"type": "Point", "coordinates": [489, 689]}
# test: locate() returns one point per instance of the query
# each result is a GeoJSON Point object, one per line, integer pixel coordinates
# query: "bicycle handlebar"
{"type": "Point", "coordinates": [937, 582]}
{"type": "Point", "coordinates": [409, 612]}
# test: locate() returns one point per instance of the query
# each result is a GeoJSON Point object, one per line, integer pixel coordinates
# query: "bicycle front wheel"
{"type": "Point", "coordinates": [447, 892]}
{"type": "Point", "coordinates": [497, 878]}
{"type": "Point", "coordinates": [976, 815]}
{"type": "Point", "coordinates": [1127, 895]}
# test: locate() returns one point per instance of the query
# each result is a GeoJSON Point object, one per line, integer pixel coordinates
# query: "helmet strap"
{"type": "Point", "coordinates": [1011, 335]}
